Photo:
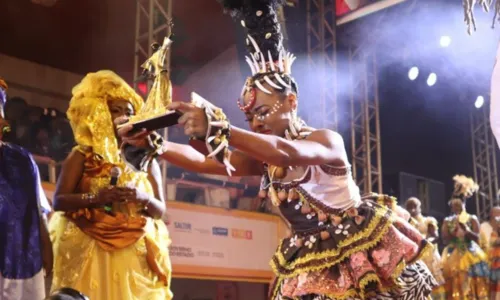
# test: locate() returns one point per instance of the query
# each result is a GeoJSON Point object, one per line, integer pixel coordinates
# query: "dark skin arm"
{"type": "Point", "coordinates": [65, 198]}
{"type": "Point", "coordinates": [473, 232]}
{"type": "Point", "coordinates": [321, 146]}
{"type": "Point", "coordinates": [432, 233]}
{"type": "Point", "coordinates": [190, 159]}
{"type": "Point", "coordinates": [445, 232]}
{"type": "Point", "coordinates": [47, 253]}
{"type": "Point", "coordinates": [155, 205]}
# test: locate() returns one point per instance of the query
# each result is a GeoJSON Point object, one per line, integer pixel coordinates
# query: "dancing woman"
{"type": "Point", "coordinates": [340, 247]}
{"type": "Point", "coordinates": [109, 242]}
{"type": "Point", "coordinates": [465, 265]}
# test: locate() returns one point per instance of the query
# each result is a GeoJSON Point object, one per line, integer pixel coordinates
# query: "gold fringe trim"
{"type": "Point", "coordinates": [380, 212]}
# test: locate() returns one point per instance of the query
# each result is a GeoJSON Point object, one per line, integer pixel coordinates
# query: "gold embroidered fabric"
{"type": "Point", "coordinates": [89, 115]}
{"type": "Point", "coordinates": [122, 256]}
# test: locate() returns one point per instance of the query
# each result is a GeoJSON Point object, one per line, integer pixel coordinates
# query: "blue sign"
{"type": "Point", "coordinates": [220, 231]}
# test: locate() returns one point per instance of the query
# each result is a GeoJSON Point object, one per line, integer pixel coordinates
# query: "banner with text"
{"type": "Point", "coordinates": [224, 243]}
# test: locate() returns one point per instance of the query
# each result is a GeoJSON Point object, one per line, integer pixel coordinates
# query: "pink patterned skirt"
{"type": "Point", "coordinates": [365, 253]}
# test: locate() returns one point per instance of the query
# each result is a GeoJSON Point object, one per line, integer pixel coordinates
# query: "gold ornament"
{"type": "Point", "coordinates": [273, 195]}
{"type": "Point", "coordinates": [336, 219]}
{"type": "Point", "coordinates": [305, 209]}
{"type": "Point", "coordinates": [322, 217]}
{"type": "Point", "coordinates": [324, 235]}
{"type": "Point", "coordinates": [282, 195]}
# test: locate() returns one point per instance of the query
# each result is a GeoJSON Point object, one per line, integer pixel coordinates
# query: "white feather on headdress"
{"type": "Point", "coordinates": [465, 187]}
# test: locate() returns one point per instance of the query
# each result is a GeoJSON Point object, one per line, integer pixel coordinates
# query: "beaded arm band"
{"type": "Point", "coordinates": [139, 158]}
{"type": "Point", "coordinates": [218, 132]}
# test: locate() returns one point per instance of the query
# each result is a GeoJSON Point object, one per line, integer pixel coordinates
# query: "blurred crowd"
{"type": "Point", "coordinates": [45, 132]}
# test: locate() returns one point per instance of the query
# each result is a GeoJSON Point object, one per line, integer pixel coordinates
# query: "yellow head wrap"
{"type": "Point", "coordinates": [89, 114]}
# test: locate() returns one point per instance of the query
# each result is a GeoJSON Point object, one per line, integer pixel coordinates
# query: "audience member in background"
{"type": "Point", "coordinates": [429, 228]}
{"type": "Point", "coordinates": [61, 138]}
{"type": "Point", "coordinates": [490, 243]}
{"type": "Point", "coordinates": [465, 265]}
{"type": "Point", "coordinates": [40, 146]}
{"type": "Point", "coordinates": [109, 241]}
{"type": "Point", "coordinates": [25, 248]}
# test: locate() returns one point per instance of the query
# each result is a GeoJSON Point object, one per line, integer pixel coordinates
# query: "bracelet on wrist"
{"type": "Point", "coordinates": [218, 132]}
{"type": "Point", "coordinates": [89, 197]}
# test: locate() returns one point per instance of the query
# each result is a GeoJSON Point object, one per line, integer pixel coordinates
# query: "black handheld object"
{"type": "Point", "coordinates": [165, 120]}
{"type": "Point", "coordinates": [115, 174]}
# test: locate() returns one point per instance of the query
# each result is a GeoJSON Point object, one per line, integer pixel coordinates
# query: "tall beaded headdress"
{"type": "Point", "coordinates": [268, 60]}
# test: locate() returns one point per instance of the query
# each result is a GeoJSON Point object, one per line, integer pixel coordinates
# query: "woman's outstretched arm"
{"type": "Point", "coordinates": [188, 158]}
{"type": "Point", "coordinates": [320, 147]}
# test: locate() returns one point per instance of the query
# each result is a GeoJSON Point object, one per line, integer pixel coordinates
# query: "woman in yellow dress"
{"type": "Point", "coordinates": [109, 241]}
{"type": "Point", "coordinates": [465, 265]}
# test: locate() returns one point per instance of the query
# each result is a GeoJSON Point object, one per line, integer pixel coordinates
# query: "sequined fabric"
{"type": "Point", "coordinates": [20, 249]}
{"type": "Point", "coordinates": [120, 256]}
{"type": "Point", "coordinates": [89, 115]}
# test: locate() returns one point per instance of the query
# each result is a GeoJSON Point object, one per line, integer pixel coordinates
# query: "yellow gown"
{"type": "Point", "coordinates": [465, 265]}
{"type": "Point", "coordinates": [120, 257]}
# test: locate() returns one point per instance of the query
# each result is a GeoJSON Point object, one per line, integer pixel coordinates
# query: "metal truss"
{"type": "Point", "coordinates": [365, 121]}
{"type": "Point", "coordinates": [484, 150]}
{"type": "Point", "coordinates": [322, 59]}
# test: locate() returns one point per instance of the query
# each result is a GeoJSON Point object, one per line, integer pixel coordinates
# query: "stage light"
{"type": "Point", "coordinates": [413, 73]}
{"type": "Point", "coordinates": [142, 87]}
{"type": "Point", "coordinates": [479, 102]}
{"type": "Point", "coordinates": [445, 41]}
{"type": "Point", "coordinates": [431, 80]}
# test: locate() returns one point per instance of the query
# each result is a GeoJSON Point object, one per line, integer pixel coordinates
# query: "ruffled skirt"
{"type": "Point", "coordinates": [368, 254]}
{"type": "Point", "coordinates": [466, 272]}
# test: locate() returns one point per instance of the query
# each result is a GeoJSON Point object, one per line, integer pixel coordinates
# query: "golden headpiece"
{"type": "Point", "coordinates": [89, 114]}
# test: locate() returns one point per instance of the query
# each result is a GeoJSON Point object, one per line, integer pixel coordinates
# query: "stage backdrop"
{"type": "Point", "coordinates": [217, 243]}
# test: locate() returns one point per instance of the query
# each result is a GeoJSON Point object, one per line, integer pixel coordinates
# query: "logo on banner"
{"type": "Point", "coordinates": [241, 234]}
{"type": "Point", "coordinates": [182, 226]}
{"type": "Point", "coordinates": [220, 231]}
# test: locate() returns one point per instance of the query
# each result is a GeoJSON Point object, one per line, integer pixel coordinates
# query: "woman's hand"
{"type": "Point", "coordinates": [111, 194]}
{"type": "Point", "coordinates": [193, 119]}
{"type": "Point", "coordinates": [139, 139]}
{"type": "Point", "coordinates": [136, 195]}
